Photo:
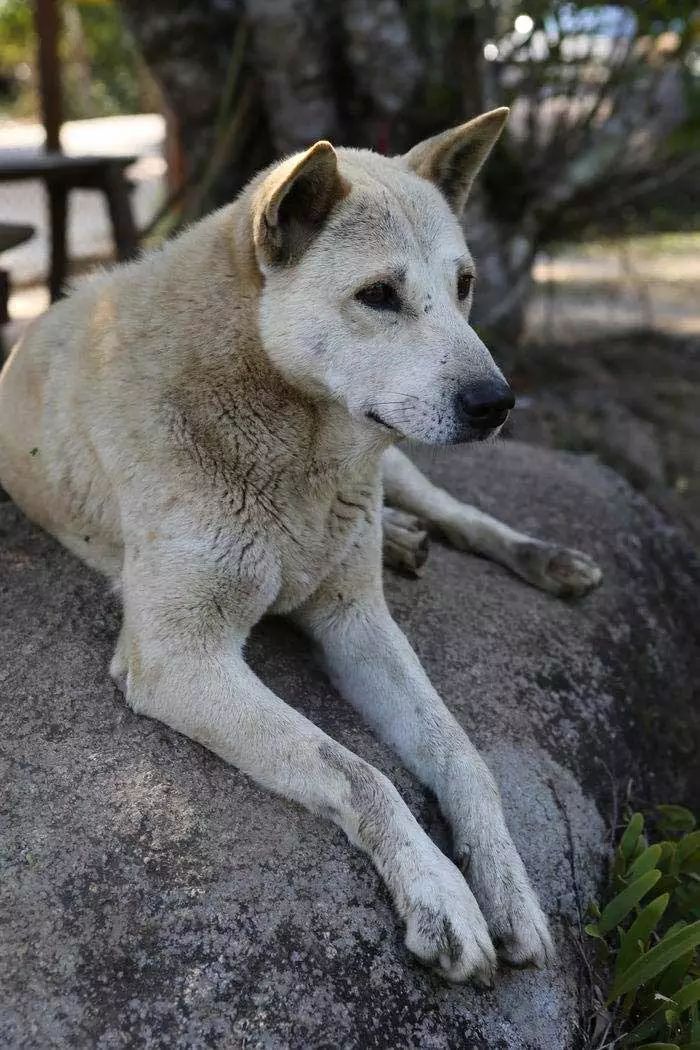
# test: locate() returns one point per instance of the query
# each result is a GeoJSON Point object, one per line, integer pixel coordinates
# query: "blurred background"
{"type": "Point", "coordinates": [121, 121]}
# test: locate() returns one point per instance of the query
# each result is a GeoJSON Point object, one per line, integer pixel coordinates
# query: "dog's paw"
{"type": "Point", "coordinates": [558, 570]}
{"type": "Point", "coordinates": [515, 919]}
{"type": "Point", "coordinates": [445, 928]}
{"type": "Point", "coordinates": [404, 541]}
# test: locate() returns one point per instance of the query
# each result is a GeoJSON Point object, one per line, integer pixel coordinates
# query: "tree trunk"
{"type": "Point", "coordinates": [246, 81]}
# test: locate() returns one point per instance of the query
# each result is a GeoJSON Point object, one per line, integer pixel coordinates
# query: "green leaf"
{"type": "Point", "coordinates": [674, 974]}
{"type": "Point", "coordinates": [671, 1017]}
{"type": "Point", "coordinates": [687, 996]}
{"type": "Point", "coordinates": [686, 898]}
{"type": "Point", "coordinates": [647, 1027]}
{"type": "Point", "coordinates": [687, 854]}
{"type": "Point", "coordinates": [691, 863]}
{"type": "Point", "coordinates": [668, 884]}
{"type": "Point", "coordinates": [639, 932]}
{"type": "Point", "coordinates": [680, 925]}
{"type": "Point", "coordinates": [695, 1024]}
{"type": "Point", "coordinates": [688, 845]}
{"type": "Point", "coordinates": [641, 845]}
{"type": "Point", "coordinates": [656, 960]}
{"type": "Point", "coordinates": [645, 861]}
{"type": "Point", "coordinates": [675, 818]}
{"type": "Point", "coordinates": [668, 852]}
{"type": "Point", "coordinates": [621, 905]}
{"type": "Point", "coordinates": [630, 836]}
{"type": "Point", "coordinates": [659, 1046]}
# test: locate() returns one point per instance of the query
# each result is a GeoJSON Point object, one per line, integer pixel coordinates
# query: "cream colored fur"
{"type": "Point", "coordinates": [209, 427]}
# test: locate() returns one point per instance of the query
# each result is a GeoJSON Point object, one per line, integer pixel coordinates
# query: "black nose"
{"type": "Point", "coordinates": [487, 404]}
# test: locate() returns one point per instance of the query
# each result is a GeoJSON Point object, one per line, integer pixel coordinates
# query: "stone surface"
{"type": "Point", "coordinates": [153, 897]}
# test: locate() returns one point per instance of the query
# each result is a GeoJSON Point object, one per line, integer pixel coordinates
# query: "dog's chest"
{"type": "Point", "coordinates": [317, 530]}
{"type": "Point", "coordinates": [292, 496]}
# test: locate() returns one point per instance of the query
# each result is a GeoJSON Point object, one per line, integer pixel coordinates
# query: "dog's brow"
{"type": "Point", "coordinates": [465, 263]}
{"type": "Point", "coordinates": [394, 275]}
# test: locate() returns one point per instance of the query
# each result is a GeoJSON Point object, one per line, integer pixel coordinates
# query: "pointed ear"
{"type": "Point", "coordinates": [451, 160]}
{"type": "Point", "coordinates": [294, 201]}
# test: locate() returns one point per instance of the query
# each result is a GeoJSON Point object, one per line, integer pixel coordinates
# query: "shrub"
{"type": "Point", "coordinates": [648, 933]}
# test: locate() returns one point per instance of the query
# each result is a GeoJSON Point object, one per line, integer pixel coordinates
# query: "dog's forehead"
{"type": "Point", "coordinates": [389, 209]}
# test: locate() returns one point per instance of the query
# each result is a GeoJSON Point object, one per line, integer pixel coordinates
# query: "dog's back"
{"type": "Point", "coordinates": [87, 373]}
{"type": "Point", "coordinates": [47, 463]}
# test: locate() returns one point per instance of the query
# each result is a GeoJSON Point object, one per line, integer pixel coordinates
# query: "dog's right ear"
{"type": "Point", "coordinates": [294, 201]}
{"type": "Point", "coordinates": [452, 159]}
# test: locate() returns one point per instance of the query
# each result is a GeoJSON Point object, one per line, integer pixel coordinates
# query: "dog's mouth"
{"type": "Point", "coordinates": [376, 418]}
{"type": "Point", "coordinates": [476, 430]}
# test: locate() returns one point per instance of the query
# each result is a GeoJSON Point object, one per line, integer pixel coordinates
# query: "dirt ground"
{"type": "Point", "coordinates": [611, 365]}
{"type": "Point", "coordinates": [632, 400]}
{"type": "Point", "coordinates": [645, 282]}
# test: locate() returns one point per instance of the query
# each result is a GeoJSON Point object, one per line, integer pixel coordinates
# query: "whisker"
{"type": "Point", "coordinates": [387, 404]}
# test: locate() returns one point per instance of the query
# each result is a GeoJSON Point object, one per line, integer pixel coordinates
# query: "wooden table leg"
{"type": "Point", "coordinates": [58, 213]}
{"type": "Point", "coordinates": [126, 239]}
{"type": "Point", "coordinates": [4, 297]}
{"type": "Point", "coordinates": [4, 315]}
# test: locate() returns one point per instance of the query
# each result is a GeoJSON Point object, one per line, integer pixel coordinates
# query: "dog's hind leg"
{"type": "Point", "coordinates": [552, 568]}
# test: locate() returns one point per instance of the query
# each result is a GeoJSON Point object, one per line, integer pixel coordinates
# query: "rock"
{"type": "Point", "coordinates": [154, 897]}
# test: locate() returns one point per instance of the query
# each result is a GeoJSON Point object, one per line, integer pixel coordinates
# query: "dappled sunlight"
{"type": "Point", "coordinates": [650, 282]}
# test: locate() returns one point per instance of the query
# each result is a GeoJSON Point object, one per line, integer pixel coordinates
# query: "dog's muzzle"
{"type": "Point", "coordinates": [482, 407]}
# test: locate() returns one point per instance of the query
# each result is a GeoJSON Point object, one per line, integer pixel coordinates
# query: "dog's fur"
{"type": "Point", "coordinates": [210, 427]}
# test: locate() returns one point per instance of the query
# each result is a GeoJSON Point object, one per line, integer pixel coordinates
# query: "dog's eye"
{"type": "Point", "coordinates": [464, 286]}
{"type": "Point", "coordinates": [380, 296]}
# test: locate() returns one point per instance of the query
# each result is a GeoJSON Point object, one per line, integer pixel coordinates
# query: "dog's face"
{"type": "Point", "coordinates": [368, 285]}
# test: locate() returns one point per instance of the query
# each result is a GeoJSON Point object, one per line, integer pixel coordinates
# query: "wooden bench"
{"type": "Point", "coordinates": [62, 173]}
{"type": "Point", "coordinates": [12, 234]}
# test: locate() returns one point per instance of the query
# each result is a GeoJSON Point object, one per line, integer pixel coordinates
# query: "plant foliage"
{"type": "Point", "coordinates": [648, 934]}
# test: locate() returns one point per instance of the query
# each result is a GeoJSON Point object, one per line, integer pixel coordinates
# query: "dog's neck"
{"type": "Point", "coordinates": [251, 418]}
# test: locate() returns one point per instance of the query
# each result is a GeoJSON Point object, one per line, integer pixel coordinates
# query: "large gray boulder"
{"type": "Point", "coordinates": [154, 897]}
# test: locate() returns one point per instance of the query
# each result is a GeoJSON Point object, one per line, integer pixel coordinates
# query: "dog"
{"type": "Point", "coordinates": [214, 428]}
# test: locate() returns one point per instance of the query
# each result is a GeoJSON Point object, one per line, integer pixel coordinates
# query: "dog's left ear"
{"type": "Point", "coordinates": [294, 201]}
{"type": "Point", "coordinates": [452, 159]}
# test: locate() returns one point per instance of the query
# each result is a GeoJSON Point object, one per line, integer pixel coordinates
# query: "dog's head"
{"type": "Point", "coordinates": [368, 284]}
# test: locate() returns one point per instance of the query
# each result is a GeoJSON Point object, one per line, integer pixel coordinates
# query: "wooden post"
{"type": "Point", "coordinates": [46, 21]}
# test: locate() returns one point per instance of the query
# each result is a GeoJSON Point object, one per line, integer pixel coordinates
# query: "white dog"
{"type": "Point", "coordinates": [213, 428]}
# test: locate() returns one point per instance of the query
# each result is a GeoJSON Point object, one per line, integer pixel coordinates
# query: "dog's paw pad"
{"type": "Point", "coordinates": [559, 570]}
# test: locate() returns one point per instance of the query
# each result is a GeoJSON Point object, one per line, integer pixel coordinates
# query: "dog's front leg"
{"type": "Point", "coordinates": [372, 664]}
{"type": "Point", "coordinates": [559, 570]}
{"type": "Point", "coordinates": [184, 666]}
